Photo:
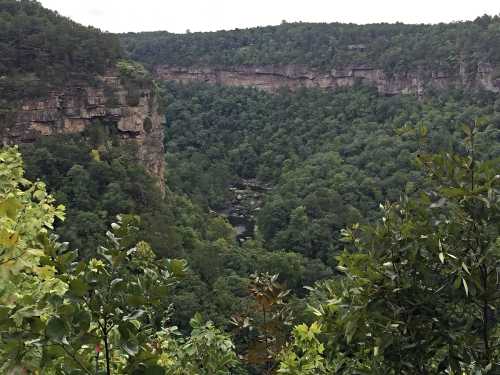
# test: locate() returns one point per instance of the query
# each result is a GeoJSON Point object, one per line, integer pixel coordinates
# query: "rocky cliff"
{"type": "Point", "coordinates": [272, 77]}
{"type": "Point", "coordinates": [132, 111]}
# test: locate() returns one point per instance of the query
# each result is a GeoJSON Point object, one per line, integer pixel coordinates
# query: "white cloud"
{"type": "Point", "coordinates": [95, 12]}
{"type": "Point", "coordinates": [209, 15]}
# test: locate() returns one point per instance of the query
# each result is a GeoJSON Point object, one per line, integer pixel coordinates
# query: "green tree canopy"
{"type": "Point", "coordinates": [419, 291]}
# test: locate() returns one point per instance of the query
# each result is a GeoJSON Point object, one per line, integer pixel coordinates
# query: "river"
{"type": "Point", "coordinates": [246, 200]}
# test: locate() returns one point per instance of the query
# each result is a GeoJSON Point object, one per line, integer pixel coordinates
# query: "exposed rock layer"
{"type": "Point", "coordinates": [272, 77]}
{"type": "Point", "coordinates": [76, 108]}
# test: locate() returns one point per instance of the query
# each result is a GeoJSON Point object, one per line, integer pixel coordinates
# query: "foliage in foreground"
{"type": "Point", "coordinates": [59, 315]}
{"type": "Point", "coordinates": [95, 190]}
{"type": "Point", "coordinates": [420, 290]}
{"type": "Point", "coordinates": [263, 331]}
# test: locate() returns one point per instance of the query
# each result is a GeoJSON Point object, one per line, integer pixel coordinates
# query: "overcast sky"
{"type": "Point", "coordinates": [210, 15]}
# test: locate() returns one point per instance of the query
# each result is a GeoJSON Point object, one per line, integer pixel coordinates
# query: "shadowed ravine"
{"type": "Point", "coordinates": [243, 206]}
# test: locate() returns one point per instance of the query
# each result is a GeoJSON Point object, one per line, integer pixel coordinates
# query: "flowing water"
{"type": "Point", "coordinates": [246, 201]}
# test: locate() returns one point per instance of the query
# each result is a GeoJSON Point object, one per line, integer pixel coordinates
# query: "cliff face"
{"type": "Point", "coordinates": [272, 77]}
{"type": "Point", "coordinates": [74, 109]}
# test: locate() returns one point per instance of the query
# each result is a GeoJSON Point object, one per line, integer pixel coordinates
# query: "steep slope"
{"type": "Point", "coordinates": [395, 58]}
{"type": "Point", "coordinates": [57, 77]}
{"type": "Point", "coordinates": [132, 113]}
{"type": "Point", "coordinates": [41, 50]}
{"type": "Point", "coordinates": [273, 77]}
{"type": "Point", "coordinates": [329, 157]}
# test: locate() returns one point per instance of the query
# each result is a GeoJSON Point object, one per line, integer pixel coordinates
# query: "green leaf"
{"type": "Point", "coordinates": [66, 311]}
{"type": "Point", "coordinates": [135, 315]}
{"type": "Point", "coordinates": [78, 287]}
{"type": "Point", "coordinates": [115, 282]}
{"type": "Point", "coordinates": [125, 330]}
{"type": "Point", "coordinates": [10, 207]}
{"type": "Point", "coordinates": [350, 330]}
{"type": "Point", "coordinates": [131, 347]}
{"type": "Point", "coordinates": [56, 329]}
{"type": "Point", "coordinates": [464, 267]}
{"type": "Point", "coordinates": [196, 321]}
{"type": "Point", "coordinates": [465, 286]}
{"type": "Point", "coordinates": [177, 267]}
{"type": "Point", "coordinates": [8, 238]}
{"type": "Point", "coordinates": [39, 195]}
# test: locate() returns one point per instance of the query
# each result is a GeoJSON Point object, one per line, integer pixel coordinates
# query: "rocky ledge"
{"type": "Point", "coordinates": [272, 77]}
{"type": "Point", "coordinates": [73, 109]}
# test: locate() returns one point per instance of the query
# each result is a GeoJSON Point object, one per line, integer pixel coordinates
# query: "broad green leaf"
{"type": "Point", "coordinates": [177, 267]}
{"type": "Point", "coordinates": [78, 287]}
{"type": "Point", "coordinates": [131, 347]}
{"type": "Point", "coordinates": [9, 208]}
{"type": "Point", "coordinates": [56, 329]}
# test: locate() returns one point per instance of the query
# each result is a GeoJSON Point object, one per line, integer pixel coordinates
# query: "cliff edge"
{"type": "Point", "coordinates": [272, 77]}
{"type": "Point", "coordinates": [132, 111]}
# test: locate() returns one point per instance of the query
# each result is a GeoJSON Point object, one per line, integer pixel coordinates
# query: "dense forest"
{"type": "Point", "coordinates": [375, 239]}
{"type": "Point", "coordinates": [416, 291]}
{"type": "Point", "coordinates": [40, 50]}
{"type": "Point", "coordinates": [330, 157]}
{"type": "Point", "coordinates": [96, 185]}
{"type": "Point", "coordinates": [392, 47]}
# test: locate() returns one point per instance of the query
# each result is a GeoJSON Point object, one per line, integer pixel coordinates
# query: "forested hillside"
{"type": "Point", "coordinates": [371, 223]}
{"type": "Point", "coordinates": [391, 47]}
{"type": "Point", "coordinates": [331, 158]}
{"type": "Point", "coordinates": [51, 83]}
{"type": "Point", "coordinates": [40, 50]}
{"type": "Point", "coordinates": [96, 176]}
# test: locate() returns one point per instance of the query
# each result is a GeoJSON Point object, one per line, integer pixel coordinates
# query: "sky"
{"type": "Point", "coordinates": [211, 15]}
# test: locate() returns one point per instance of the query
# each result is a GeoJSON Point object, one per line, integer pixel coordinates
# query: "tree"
{"type": "Point", "coordinates": [64, 315]}
{"type": "Point", "coordinates": [115, 305]}
{"type": "Point", "coordinates": [304, 356]}
{"type": "Point", "coordinates": [207, 351]}
{"type": "Point", "coordinates": [27, 215]}
{"type": "Point", "coordinates": [265, 325]}
{"type": "Point", "coordinates": [420, 290]}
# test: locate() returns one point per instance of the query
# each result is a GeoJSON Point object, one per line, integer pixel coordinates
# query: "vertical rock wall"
{"type": "Point", "coordinates": [75, 108]}
{"type": "Point", "coordinates": [272, 77]}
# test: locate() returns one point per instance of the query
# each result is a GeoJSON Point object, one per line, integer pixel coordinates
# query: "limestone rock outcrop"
{"type": "Point", "coordinates": [272, 77]}
{"type": "Point", "coordinates": [75, 108]}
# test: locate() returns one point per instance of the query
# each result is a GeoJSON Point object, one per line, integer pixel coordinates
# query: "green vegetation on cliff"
{"type": "Point", "coordinates": [40, 49]}
{"type": "Point", "coordinates": [392, 47]}
{"type": "Point", "coordinates": [106, 315]}
{"type": "Point", "coordinates": [419, 290]}
{"type": "Point", "coordinates": [336, 279]}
